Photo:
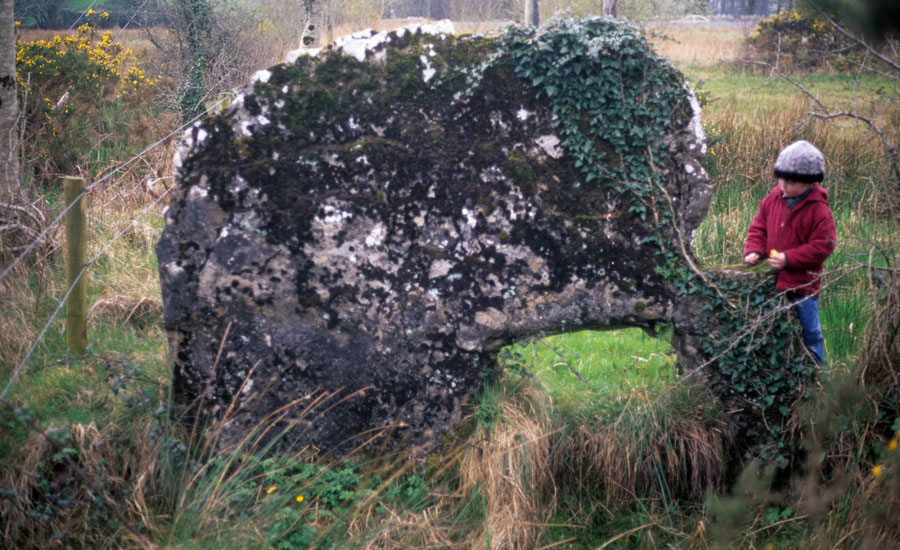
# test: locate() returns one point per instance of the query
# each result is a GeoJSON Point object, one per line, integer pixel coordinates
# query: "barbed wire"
{"type": "Point", "coordinates": [84, 13]}
{"type": "Point", "coordinates": [88, 188]}
{"type": "Point", "coordinates": [62, 302]}
{"type": "Point", "coordinates": [135, 14]}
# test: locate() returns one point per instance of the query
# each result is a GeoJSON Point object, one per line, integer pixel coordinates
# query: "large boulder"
{"type": "Point", "coordinates": [352, 242]}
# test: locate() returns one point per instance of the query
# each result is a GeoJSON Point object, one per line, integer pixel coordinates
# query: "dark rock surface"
{"type": "Point", "coordinates": [375, 223]}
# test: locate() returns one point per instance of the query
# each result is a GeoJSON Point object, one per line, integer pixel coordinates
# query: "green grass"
{"type": "Point", "coordinates": [750, 90]}
{"type": "Point", "coordinates": [588, 370]}
{"type": "Point", "coordinates": [587, 374]}
{"type": "Point", "coordinates": [58, 388]}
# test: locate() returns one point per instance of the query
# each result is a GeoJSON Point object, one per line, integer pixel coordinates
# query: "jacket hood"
{"type": "Point", "coordinates": [818, 193]}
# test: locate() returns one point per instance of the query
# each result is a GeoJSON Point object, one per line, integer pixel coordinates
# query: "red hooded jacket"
{"type": "Point", "coordinates": [804, 233]}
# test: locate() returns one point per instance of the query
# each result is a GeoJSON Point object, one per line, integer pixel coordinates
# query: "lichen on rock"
{"type": "Point", "coordinates": [352, 242]}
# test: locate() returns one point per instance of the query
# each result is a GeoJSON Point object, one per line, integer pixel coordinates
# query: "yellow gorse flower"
{"type": "Point", "coordinates": [892, 445]}
{"type": "Point", "coordinates": [300, 498]}
{"type": "Point", "coordinates": [877, 470]}
{"type": "Point", "coordinates": [271, 489]}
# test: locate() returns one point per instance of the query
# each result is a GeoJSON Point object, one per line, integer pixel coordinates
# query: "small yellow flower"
{"type": "Point", "coordinates": [271, 489]}
{"type": "Point", "coordinates": [877, 470]}
{"type": "Point", "coordinates": [300, 498]}
{"type": "Point", "coordinates": [773, 252]}
{"type": "Point", "coordinates": [892, 445]}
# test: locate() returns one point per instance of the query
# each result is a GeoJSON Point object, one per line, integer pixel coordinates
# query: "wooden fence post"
{"type": "Point", "coordinates": [76, 257]}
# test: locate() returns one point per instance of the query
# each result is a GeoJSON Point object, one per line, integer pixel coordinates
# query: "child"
{"type": "Point", "coordinates": [794, 230]}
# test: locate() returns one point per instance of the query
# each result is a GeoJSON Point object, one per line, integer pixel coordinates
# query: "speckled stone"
{"type": "Point", "coordinates": [352, 242]}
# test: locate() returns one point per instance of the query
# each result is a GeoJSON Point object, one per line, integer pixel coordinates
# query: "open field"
{"type": "Point", "coordinates": [572, 448]}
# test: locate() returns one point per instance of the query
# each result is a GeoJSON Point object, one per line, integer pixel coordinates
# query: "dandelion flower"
{"type": "Point", "coordinates": [877, 470]}
{"type": "Point", "coordinates": [892, 445]}
{"type": "Point", "coordinates": [300, 498]}
{"type": "Point", "coordinates": [271, 489]}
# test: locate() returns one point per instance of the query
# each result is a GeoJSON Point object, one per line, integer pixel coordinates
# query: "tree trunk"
{"type": "Point", "coordinates": [611, 8]}
{"type": "Point", "coordinates": [9, 165]}
{"type": "Point", "coordinates": [532, 13]}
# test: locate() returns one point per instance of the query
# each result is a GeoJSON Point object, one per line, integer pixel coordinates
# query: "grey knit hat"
{"type": "Point", "coordinates": [800, 161]}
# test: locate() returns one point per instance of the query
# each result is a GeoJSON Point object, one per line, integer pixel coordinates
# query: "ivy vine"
{"type": "Point", "coordinates": [614, 100]}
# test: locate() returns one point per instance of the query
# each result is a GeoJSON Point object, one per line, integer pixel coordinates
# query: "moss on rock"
{"type": "Point", "coordinates": [375, 221]}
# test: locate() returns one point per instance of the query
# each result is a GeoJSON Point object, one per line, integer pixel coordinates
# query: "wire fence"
{"type": "Point", "coordinates": [62, 302]}
{"type": "Point", "coordinates": [44, 234]}
{"type": "Point", "coordinates": [47, 231]}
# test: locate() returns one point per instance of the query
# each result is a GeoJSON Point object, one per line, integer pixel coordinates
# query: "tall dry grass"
{"type": "Point", "coordinates": [503, 485]}
{"type": "Point", "coordinates": [700, 44]}
{"type": "Point", "coordinates": [665, 447]}
{"type": "Point", "coordinates": [123, 226]}
{"type": "Point", "coordinates": [508, 463]}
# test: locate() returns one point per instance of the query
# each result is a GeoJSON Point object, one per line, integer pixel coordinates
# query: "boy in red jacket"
{"type": "Point", "coordinates": [794, 230]}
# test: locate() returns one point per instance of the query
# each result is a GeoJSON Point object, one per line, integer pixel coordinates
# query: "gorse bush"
{"type": "Point", "coordinates": [77, 93]}
{"type": "Point", "coordinates": [794, 39]}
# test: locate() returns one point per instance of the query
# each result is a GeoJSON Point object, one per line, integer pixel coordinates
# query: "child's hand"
{"type": "Point", "coordinates": [751, 258]}
{"type": "Point", "coordinates": [777, 260]}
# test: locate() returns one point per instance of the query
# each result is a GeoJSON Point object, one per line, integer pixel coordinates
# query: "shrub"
{"type": "Point", "coordinates": [794, 39]}
{"type": "Point", "coordinates": [74, 93]}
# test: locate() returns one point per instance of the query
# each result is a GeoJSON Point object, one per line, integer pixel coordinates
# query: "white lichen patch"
{"type": "Point", "coordinates": [197, 192]}
{"type": "Point", "coordinates": [523, 114]}
{"type": "Point", "coordinates": [294, 55]}
{"type": "Point", "coordinates": [332, 214]}
{"type": "Point", "coordinates": [334, 160]}
{"type": "Point", "coordinates": [261, 76]}
{"type": "Point", "coordinates": [375, 236]}
{"type": "Point", "coordinates": [174, 269]}
{"type": "Point", "coordinates": [428, 72]}
{"type": "Point", "coordinates": [439, 268]}
{"type": "Point", "coordinates": [695, 126]}
{"type": "Point", "coordinates": [359, 43]}
{"type": "Point", "coordinates": [469, 215]}
{"type": "Point", "coordinates": [550, 145]}
{"type": "Point", "coordinates": [442, 27]}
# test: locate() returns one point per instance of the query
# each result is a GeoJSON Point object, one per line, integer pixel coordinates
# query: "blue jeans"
{"type": "Point", "coordinates": [807, 309]}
